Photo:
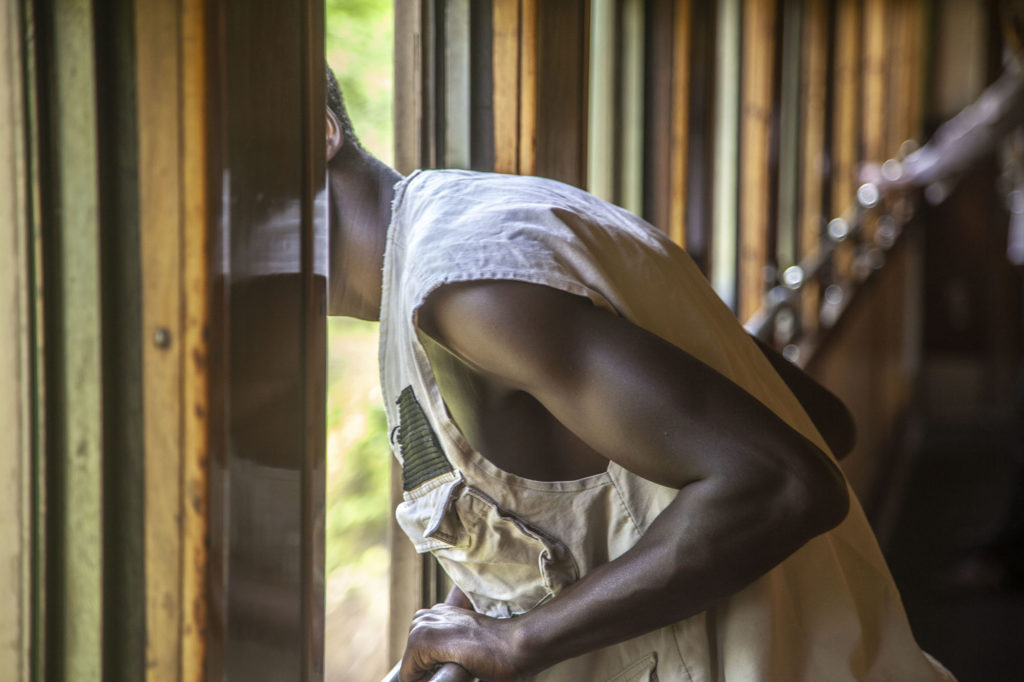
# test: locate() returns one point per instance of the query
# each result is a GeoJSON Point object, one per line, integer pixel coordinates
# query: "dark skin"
{"type": "Point", "coordinates": [578, 387]}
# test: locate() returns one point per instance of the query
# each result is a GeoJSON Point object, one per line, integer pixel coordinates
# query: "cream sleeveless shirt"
{"type": "Point", "coordinates": [830, 612]}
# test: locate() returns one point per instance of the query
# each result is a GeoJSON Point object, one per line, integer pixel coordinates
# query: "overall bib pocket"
{"type": "Point", "coordinates": [504, 565]}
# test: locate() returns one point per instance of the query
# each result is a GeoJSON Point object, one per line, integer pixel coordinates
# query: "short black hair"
{"type": "Point", "coordinates": [336, 103]}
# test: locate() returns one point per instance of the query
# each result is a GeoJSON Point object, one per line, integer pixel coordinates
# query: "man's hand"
{"type": "Point", "coordinates": [484, 647]}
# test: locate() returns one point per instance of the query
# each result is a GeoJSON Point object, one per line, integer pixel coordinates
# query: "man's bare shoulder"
{"type": "Point", "coordinates": [505, 327]}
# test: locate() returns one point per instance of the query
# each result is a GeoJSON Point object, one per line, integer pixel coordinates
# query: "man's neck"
{"type": "Point", "coordinates": [361, 189]}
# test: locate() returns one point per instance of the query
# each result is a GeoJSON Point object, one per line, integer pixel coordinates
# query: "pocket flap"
{"type": "Point", "coordinates": [422, 511]}
{"type": "Point", "coordinates": [503, 564]}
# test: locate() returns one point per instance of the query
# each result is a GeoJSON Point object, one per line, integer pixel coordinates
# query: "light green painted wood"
{"type": "Point", "coordinates": [727, 134]}
{"type": "Point", "coordinates": [632, 136]}
{"type": "Point", "coordinates": [15, 361]}
{"type": "Point", "coordinates": [80, 387]}
{"type": "Point", "coordinates": [601, 100]}
{"type": "Point", "coordinates": [456, 84]}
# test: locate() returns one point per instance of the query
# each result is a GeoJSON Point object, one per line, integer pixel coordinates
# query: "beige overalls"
{"type": "Point", "coordinates": [828, 613]}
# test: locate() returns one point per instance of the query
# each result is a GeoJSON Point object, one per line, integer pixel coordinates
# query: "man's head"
{"type": "Point", "coordinates": [339, 130]}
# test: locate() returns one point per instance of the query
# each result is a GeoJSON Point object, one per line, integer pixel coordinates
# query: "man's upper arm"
{"type": "Point", "coordinates": [633, 397]}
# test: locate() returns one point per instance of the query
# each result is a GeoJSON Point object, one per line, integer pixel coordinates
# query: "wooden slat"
{"type": "Point", "coordinates": [172, 93]}
{"type": "Point", "coordinates": [726, 183]}
{"type": "Point", "coordinates": [158, 69]}
{"type": "Point", "coordinates": [631, 130]}
{"type": "Point", "coordinates": [408, 91]}
{"type": "Point", "coordinates": [791, 71]}
{"type": "Point", "coordinates": [755, 141]}
{"type": "Point", "coordinates": [873, 69]}
{"type": "Point", "coordinates": [195, 347]}
{"type": "Point", "coordinates": [917, 20]}
{"type": "Point", "coordinates": [601, 113]}
{"type": "Point", "coordinates": [506, 85]}
{"type": "Point", "coordinates": [540, 93]}
{"type": "Point", "coordinates": [846, 107]}
{"type": "Point", "coordinates": [680, 121]}
{"type": "Point", "coordinates": [456, 84]}
{"type": "Point", "coordinates": [897, 72]}
{"type": "Point", "coordinates": [527, 88]}
{"type": "Point", "coordinates": [553, 126]}
{"type": "Point", "coordinates": [702, 134]}
{"type": "Point", "coordinates": [846, 103]}
{"type": "Point", "coordinates": [813, 95]}
{"type": "Point", "coordinates": [405, 576]}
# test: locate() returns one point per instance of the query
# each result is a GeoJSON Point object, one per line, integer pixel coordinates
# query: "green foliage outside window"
{"type": "Point", "coordinates": [359, 36]}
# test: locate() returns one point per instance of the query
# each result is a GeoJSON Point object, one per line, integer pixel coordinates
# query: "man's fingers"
{"type": "Point", "coordinates": [451, 672]}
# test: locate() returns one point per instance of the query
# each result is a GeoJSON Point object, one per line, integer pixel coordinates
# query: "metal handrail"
{"type": "Point", "coordinates": [845, 227]}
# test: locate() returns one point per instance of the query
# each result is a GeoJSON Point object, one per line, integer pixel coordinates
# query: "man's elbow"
{"type": "Point", "coordinates": [820, 499]}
